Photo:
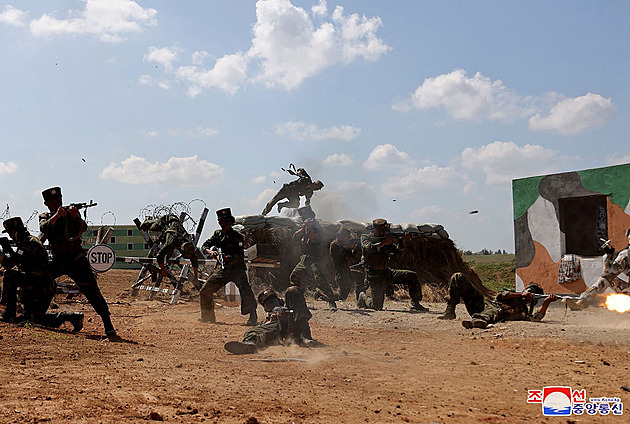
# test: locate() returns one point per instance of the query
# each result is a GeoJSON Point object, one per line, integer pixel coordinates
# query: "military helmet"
{"type": "Point", "coordinates": [51, 193]}
{"type": "Point", "coordinates": [306, 212]}
{"type": "Point", "coordinates": [188, 250]}
{"type": "Point", "coordinates": [380, 223]}
{"type": "Point", "coordinates": [225, 213]}
{"type": "Point", "coordinates": [266, 295]}
{"type": "Point", "coordinates": [534, 288]}
{"type": "Point", "coordinates": [13, 224]}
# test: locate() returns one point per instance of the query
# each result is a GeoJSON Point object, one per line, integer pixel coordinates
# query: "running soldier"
{"type": "Point", "coordinates": [292, 191]}
{"type": "Point", "coordinates": [227, 246]}
{"type": "Point", "coordinates": [62, 227]}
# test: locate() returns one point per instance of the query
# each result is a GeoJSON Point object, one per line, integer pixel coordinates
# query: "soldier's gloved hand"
{"type": "Point", "coordinates": [74, 212]}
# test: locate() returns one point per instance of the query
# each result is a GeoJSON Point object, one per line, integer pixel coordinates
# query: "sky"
{"type": "Point", "coordinates": [413, 111]}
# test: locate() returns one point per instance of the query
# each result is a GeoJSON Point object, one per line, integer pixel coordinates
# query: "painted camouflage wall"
{"type": "Point", "coordinates": [539, 239]}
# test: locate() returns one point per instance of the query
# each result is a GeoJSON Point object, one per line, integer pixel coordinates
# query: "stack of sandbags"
{"type": "Point", "coordinates": [435, 231]}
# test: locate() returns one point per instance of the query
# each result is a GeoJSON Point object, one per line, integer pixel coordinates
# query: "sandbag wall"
{"type": "Point", "coordinates": [430, 252]}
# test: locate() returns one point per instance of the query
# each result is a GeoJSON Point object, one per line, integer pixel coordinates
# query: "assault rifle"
{"type": "Point", "coordinates": [559, 295]}
{"type": "Point", "coordinates": [80, 206]}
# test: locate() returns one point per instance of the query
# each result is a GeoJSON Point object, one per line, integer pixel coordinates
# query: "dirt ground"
{"type": "Point", "coordinates": [374, 367]}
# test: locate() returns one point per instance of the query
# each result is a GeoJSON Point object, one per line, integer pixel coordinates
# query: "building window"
{"type": "Point", "coordinates": [584, 223]}
{"type": "Point", "coordinates": [94, 233]}
{"type": "Point", "coordinates": [146, 246]}
{"type": "Point", "coordinates": [112, 239]}
{"type": "Point", "coordinates": [129, 246]}
{"type": "Point", "coordinates": [129, 233]}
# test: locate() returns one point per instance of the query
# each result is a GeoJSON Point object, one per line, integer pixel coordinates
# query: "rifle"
{"type": "Point", "coordinates": [559, 295]}
{"type": "Point", "coordinates": [361, 263]}
{"type": "Point", "coordinates": [80, 206]}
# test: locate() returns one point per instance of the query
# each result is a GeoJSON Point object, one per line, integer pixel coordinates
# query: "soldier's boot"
{"type": "Point", "coordinates": [108, 326]}
{"type": "Point", "coordinates": [76, 319]}
{"type": "Point", "coordinates": [417, 307]}
{"type": "Point", "coordinates": [474, 323]}
{"type": "Point", "coordinates": [240, 348]}
{"type": "Point", "coordinates": [207, 315]}
{"type": "Point", "coordinates": [449, 313]}
{"type": "Point", "coordinates": [361, 301]}
{"type": "Point", "coordinates": [332, 305]}
{"type": "Point", "coordinates": [253, 318]}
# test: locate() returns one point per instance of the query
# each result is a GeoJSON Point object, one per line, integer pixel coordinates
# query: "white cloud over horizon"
{"type": "Point", "coordinates": [420, 179]}
{"type": "Point", "coordinates": [480, 98]}
{"type": "Point", "coordinates": [388, 157]}
{"type": "Point", "coordinates": [502, 161]}
{"type": "Point", "coordinates": [618, 159]}
{"type": "Point", "coordinates": [165, 56]}
{"type": "Point", "coordinates": [8, 168]}
{"type": "Point", "coordinates": [337, 159]}
{"type": "Point", "coordinates": [184, 171]}
{"type": "Point", "coordinates": [302, 131]}
{"type": "Point", "coordinates": [575, 115]}
{"type": "Point", "coordinates": [106, 19]}
{"type": "Point", "coordinates": [12, 16]}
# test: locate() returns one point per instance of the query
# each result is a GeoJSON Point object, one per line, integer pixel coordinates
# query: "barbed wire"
{"type": "Point", "coordinates": [179, 209]}
{"type": "Point", "coordinates": [108, 213]}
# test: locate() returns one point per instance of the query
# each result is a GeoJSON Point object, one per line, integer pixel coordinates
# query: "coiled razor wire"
{"type": "Point", "coordinates": [179, 209]}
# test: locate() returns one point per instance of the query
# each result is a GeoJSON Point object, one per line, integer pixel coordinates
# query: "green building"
{"type": "Point", "coordinates": [126, 240]}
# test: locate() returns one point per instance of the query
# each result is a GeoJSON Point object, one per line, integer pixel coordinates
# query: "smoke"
{"type": "Point", "coordinates": [354, 201]}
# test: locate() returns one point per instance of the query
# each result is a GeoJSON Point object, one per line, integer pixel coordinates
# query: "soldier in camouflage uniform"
{"type": "Point", "coordinates": [27, 267]}
{"type": "Point", "coordinates": [227, 246]}
{"type": "Point", "coordinates": [63, 227]}
{"type": "Point", "coordinates": [309, 266]}
{"type": "Point", "coordinates": [173, 236]}
{"type": "Point", "coordinates": [609, 278]}
{"type": "Point", "coordinates": [343, 252]}
{"type": "Point", "coordinates": [303, 186]}
{"type": "Point", "coordinates": [506, 306]}
{"type": "Point", "coordinates": [287, 322]}
{"type": "Point", "coordinates": [376, 250]}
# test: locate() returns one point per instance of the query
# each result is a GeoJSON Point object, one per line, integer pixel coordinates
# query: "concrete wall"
{"type": "Point", "coordinates": [546, 227]}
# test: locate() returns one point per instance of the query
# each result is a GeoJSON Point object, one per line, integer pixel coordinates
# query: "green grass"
{"type": "Point", "coordinates": [496, 271]}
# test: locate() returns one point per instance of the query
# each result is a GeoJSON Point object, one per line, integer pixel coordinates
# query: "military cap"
{"type": "Point", "coordinates": [534, 288]}
{"type": "Point", "coordinates": [188, 250]}
{"type": "Point", "coordinates": [380, 222]}
{"type": "Point", "coordinates": [12, 224]}
{"type": "Point", "coordinates": [51, 193]}
{"type": "Point", "coordinates": [225, 213]}
{"type": "Point", "coordinates": [306, 212]}
{"type": "Point", "coordinates": [266, 295]}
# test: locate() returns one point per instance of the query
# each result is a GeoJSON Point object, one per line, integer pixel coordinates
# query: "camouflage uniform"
{"type": "Point", "coordinates": [478, 307]}
{"type": "Point", "coordinates": [292, 191]}
{"type": "Point", "coordinates": [172, 236]}
{"type": "Point", "coordinates": [286, 321]}
{"type": "Point", "coordinates": [310, 261]}
{"type": "Point", "coordinates": [341, 256]}
{"type": "Point", "coordinates": [378, 275]}
{"type": "Point", "coordinates": [231, 245]}
{"type": "Point", "coordinates": [69, 258]}
{"type": "Point", "coordinates": [32, 275]}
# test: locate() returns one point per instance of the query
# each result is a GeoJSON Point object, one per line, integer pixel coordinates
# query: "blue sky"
{"type": "Point", "coordinates": [414, 111]}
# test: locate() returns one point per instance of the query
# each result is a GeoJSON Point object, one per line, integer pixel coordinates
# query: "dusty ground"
{"type": "Point", "coordinates": [375, 367]}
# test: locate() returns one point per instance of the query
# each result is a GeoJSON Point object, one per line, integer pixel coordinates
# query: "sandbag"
{"type": "Point", "coordinates": [248, 220]}
{"type": "Point", "coordinates": [442, 233]}
{"type": "Point", "coordinates": [409, 228]}
{"type": "Point", "coordinates": [282, 221]}
{"type": "Point", "coordinates": [430, 228]}
{"type": "Point", "coordinates": [354, 226]}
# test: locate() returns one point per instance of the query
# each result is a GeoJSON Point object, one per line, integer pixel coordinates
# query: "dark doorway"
{"type": "Point", "coordinates": [584, 222]}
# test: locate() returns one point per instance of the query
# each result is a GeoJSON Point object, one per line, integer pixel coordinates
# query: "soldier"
{"type": "Point", "coordinates": [343, 252]}
{"type": "Point", "coordinates": [506, 306]}
{"type": "Point", "coordinates": [173, 236]}
{"type": "Point", "coordinates": [62, 227]}
{"type": "Point", "coordinates": [32, 275]}
{"type": "Point", "coordinates": [226, 245]}
{"type": "Point", "coordinates": [309, 266]}
{"type": "Point", "coordinates": [608, 279]}
{"type": "Point", "coordinates": [376, 250]}
{"type": "Point", "coordinates": [303, 186]}
{"type": "Point", "coordinates": [284, 324]}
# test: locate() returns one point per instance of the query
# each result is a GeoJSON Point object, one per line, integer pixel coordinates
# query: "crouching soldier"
{"type": "Point", "coordinates": [27, 267]}
{"type": "Point", "coordinates": [286, 322]}
{"type": "Point", "coordinates": [506, 306]}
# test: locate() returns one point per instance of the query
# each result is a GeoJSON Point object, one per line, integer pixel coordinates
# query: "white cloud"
{"type": "Point", "coordinates": [164, 56]}
{"type": "Point", "coordinates": [477, 98]}
{"type": "Point", "coordinates": [262, 199]}
{"type": "Point", "coordinates": [575, 115]}
{"type": "Point", "coordinates": [420, 179]}
{"type": "Point", "coordinates": [146, 79]}
{"type": "Point", "coordinates": [301, 131]}
{"type": "Point", "coordinates": [338, 159]}
{"type": "Point", "coordinates": [198, 57]}
{"type": "Point", "coordinates": [291, 49]}
{"type": "Point", "coordinates": [228, 74]}
{"type": "Point", "coordinates": [259, 179]}
{"type": "Point", "coordinates": [618, 159]}
{"type": "Point", "coordinates": [151, 134]}
{"type": "Point", "coordinates": [8, 168]}
{"type": "Point", "coordinates": [106, 19]}
{"type": "Point", "coordinates": [12, 16]}
{"type": "Point", "coordinates": [429, 213]}
{"type": "Point", "coordinates": [502, 161]}
{"type": "Point", "coordinates": [201, 132]}
{"type": "Point", "coordinates": [320, 9]}
{"type": "Point", "coordinates": [471, 187]}
{"type": "Point", "coordinates": [185, 171]}
{"type": "Point", "coordinates": [387, 157]}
